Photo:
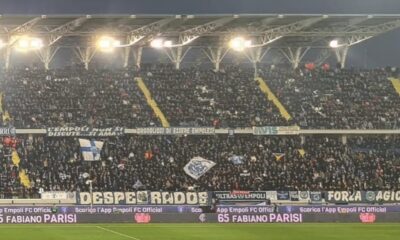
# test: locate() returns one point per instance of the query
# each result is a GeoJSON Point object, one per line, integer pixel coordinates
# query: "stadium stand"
{"type": "Point", "coordinates": [198, 97]}
{"type": "Point", "coordinates": [243, 162]}
{"type": "Point", "coordinates": [338, 98]}
{"type": "Point", "coordinates": [231, 98]}
{"type": "Point", "coordinates": [74, 97]}
{"type": "Point", "coordinates": [318, 99]}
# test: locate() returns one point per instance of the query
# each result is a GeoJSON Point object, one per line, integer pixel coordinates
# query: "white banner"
{"type": "Point", "coordinates": [57, 195]}
{"type": "Point", "coordinates": [198, 166]}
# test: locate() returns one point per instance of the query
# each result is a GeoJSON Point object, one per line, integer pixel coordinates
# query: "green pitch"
{"type": "Point", "coordinates": [201, 231]}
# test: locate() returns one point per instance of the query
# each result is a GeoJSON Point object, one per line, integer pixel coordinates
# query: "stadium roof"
{"type": "Point", "coordinates": [290, 32]}
{"type": "Point", "coordinates": [293, 29]}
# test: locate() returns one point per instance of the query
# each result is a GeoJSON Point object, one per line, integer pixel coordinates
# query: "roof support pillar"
{"type": "Point", "coordinates": [341, 55]}
{"type": "Point", "coordinates": [176, 55]}
{"type": "Point", "coordinates": [7, 57]}
{"type": "Point", "coordinates": [215, 55]}
{"type": "Point", "coordinates": [294, 56]}
{"type": "Point", "coordinates": [137, 54]}
{"type": "Point", "coordinates": [324, 54]}
{"type": "Point", "coordinates": [46, 55]}
{"type": "Point", "coordinates": [255, 55]}
{"type": "Point", "coordinates": [85, 54]}
{"type": "Point", "coordinates": [127, 52]}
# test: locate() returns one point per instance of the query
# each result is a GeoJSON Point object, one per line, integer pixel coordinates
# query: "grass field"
{"type": "Point", "coordinates": [201, 231]}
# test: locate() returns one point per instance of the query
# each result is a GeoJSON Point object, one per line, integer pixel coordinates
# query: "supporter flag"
{"type": "Point", "coordinates": [310, 66]}
{"type": "Point", "coordinates": [1, 102]}
{"type": "Point", "coordinates": [15, 158]}
{"type": "Point", "coordinates": [138, 184]}
{"type": "Point", "coordinates": [24, 179]}
{"type": "Point", "coordinates": [301, 152]}
{"type": "Point", "coordinates": [121, 166]}
{"type": "Point", "coordinates": [90, 149]}
{"type": "Point", "coordinates": [10, 142]}
{"type": "Point", "coordinates": [7, 141]}
{"type": "Point", "coordinates": [148, 155]}
{"type": "Point", "coordinates": [237, 160]}
{"type": "Point", "coordinates": [198, 166]}
{"type": "Point", "coordinates": [6, 116]}
{"type": "Point", "coordinates": [326, 67]}
{"type": "Point", "coordinates": [279, 156]}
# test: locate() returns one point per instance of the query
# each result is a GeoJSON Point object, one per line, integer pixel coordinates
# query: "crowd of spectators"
{"type": "Point", "coordinates": [337, 98]}
{"type": "Point", "coordinates": [36, 98]}
{"type": "Point", "coordinates": [318, 98]}
{"type": "Point", "coordinates": [231, 98]}
{"type": "Point", "coordinates": [203, 97]}
{"type": "Point", "coordinates": [156, 163]}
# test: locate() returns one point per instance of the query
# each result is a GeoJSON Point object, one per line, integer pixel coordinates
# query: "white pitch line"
{"type": "Point", "coordinates": [118, 233]}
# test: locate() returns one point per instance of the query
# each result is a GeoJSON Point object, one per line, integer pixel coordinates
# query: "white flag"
{"type": "Point", "coordinates": [90, 149]}
{"type": "Point", "coordinates": [198, 166]}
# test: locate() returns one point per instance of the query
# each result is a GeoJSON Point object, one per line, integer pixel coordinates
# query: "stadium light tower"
{"type": "Point", "coordinates": [239, 44]}
{"type": "Point", "coordinates": [108, 44]}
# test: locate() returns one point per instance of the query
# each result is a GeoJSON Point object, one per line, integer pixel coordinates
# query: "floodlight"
{"type": "Point", "coordinates": [247, 43]}
{"type": "Point", "coordinates": [334, 44]}
{"type": "Point", "coordinates": [107, 44]}
{"type": "Point", "coordinates": [27, 43]}
{"type": "Point", "coordinates": [239, 43]}
{"type": "Point", "coordinates": [23, 43]}
{"type": "Point", "coordinates": [36, 43]}
{"type": "Point", "coordinates": [104, 43]}
{"type": "Point", "coordinates": [167, 44]}
{"type": "Point", "coordinates": [157, 43]}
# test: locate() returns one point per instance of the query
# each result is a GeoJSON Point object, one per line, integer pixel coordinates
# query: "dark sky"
{"type": "Point", "coordinates": [381, 51]}
{"type": "Point", "coordinates": [197, 6]}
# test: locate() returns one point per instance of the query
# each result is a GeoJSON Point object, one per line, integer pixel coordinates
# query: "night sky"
{"type": "Point", "coordinates": [197, 6]}
{"type": "Point", "coordinates": [381, 51]}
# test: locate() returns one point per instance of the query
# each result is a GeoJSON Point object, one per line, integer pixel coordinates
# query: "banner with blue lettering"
{"type": "Point", "coordinates": [245, 196]}
{"type": "Point", "coordinates": [362, 196]}
{"type": "Point", "coordinates": [143, 198]}
{"type": "Point", "coordinates": [175, 131]}
{"type": "Point", "coordinates": [283, 130]}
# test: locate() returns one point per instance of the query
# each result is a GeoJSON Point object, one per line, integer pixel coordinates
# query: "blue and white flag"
{"type": "Point", "coordinates": [237, 160]}
{"type": "Point", "coordinates": [90, 149]}
{"type": "Point", "coordinates": [198, 166]}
